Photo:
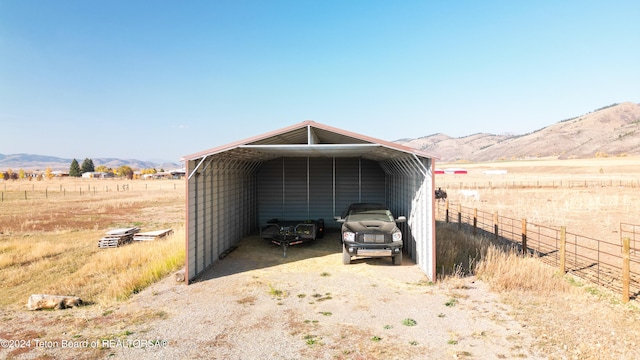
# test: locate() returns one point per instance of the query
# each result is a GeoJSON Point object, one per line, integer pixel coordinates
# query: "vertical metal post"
{"type": "Point", "coordinates": [446, 212]}
{"type": "Point", "coordinates": [334, 186]}
{"type": "Point", "coordinates": [524, 237]}
{"type": "Point", "coordinates": [360, 179]}
{"type": "Point", "coordinates": [475, 221]}
{"type": "Point", "coordinates": [284, 190]}
{"type": "Point", "coordinates": [626, 266]}
{"type": "Point", "coordinates": [308, 190]}
{"type": "Point", "coordinates": [563, 249]}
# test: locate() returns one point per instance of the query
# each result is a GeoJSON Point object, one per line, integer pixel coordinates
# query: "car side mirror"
{"type": "Point", "coordinates": [338, 219]}
{"type": "Point", "coordinates": [401, 219]}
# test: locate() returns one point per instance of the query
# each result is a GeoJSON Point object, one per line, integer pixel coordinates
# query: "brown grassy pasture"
{"type": "Point", "coordinates": [553, 192]}
{"type": "Point", "coordinates": [48, 242]}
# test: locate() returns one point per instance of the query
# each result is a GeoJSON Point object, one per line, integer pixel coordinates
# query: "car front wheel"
{"type": "Point", "coordinates": [346, 258]}
{"type": "Point", "coordinates": [397, 259]}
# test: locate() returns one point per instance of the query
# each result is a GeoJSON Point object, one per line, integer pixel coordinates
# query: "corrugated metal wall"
{"type": "Point", "coordinates": [409, 192]}
{"type": "Point", "coordinates": [222, 208]}
{"type": "Point", "coordinates": [229, 200]}
{"type": "Point", "coordinates": [316, 188]}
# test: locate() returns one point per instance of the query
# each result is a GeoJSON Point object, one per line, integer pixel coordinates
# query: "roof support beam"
{"type": "Point", "coordinates": [196, 168]}
{"type": "Point", "coordinates": [312, 138]}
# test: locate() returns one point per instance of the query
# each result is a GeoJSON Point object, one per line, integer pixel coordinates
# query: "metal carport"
{"type": "Point", "coordinates": [307, 169]}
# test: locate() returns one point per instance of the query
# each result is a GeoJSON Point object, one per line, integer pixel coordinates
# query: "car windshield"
{"type": "Point", "coordinates": [359, 214]}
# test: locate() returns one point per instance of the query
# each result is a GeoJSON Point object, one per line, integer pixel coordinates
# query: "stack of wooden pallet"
{"type": "Point", "coordinates": [117, 237]}
{"type": "Point", "coordinates": [152, 235]}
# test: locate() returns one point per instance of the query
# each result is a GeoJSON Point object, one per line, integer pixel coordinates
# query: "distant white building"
{"type": "Point", "coordinates": [96, 175]}
{"type": "Point", "coordinates": [171, 174]}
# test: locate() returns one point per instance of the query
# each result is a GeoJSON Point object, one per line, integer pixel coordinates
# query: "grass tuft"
{"type": "Point", "coordinates": [276, 292]}
{"type": "Point", "coordinates": [409, 322]}
{"type": "Point", "coordinates": [509, 271]}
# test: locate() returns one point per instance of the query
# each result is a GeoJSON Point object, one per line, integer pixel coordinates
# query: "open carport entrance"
{"type": "Point", "coordinates": [308, 170]}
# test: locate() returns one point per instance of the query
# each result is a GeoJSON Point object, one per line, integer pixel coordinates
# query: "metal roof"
{"type": "Point", "coordinates": [309, 139]}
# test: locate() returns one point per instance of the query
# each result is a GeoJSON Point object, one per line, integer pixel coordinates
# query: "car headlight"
{"type": "Point", "coordinates": [348, 236]}
{"type": "Point", "coordinates": [397, 236]}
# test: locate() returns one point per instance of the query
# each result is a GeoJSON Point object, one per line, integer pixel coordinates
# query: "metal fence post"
{"type": "Point", "coordinates": [495, 224]}
{"type": "Point", "coordinates": [626, 266]}
{"type": "Point", "coordinates": [459, 216]}
{"type": "Point", "coordinates": [563, 249]}
{"type": "Point", "coordinates": [446, 213]}
{"type": "Point", "coordinates": [475, 221]}
{"type": "Point", "coordinates": [524, 237]}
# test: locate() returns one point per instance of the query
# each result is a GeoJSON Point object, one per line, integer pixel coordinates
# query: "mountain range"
{"type": "Point", "coordinates": [41, 162]}
{"type": "Point", "coordinates": [613, 130]}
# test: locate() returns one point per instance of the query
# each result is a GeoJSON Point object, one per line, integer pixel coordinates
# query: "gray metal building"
{"type": "Point", "coordinates": [307, 170]}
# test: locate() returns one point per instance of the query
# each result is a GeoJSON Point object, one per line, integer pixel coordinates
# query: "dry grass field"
{"type": "Point", "coordinates": [553, 192]}
{"type": "Point", "coordinates": [48, 244]}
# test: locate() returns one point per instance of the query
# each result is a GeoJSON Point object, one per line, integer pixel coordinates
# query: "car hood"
{"type": "Point", "coordinates": [371, 225]}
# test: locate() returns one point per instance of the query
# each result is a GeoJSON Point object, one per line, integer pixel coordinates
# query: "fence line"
{"type": "Point", "coordinates": [600, 262]}
{"type": "Point", "coordinates": [633, 233]}
{"type": "Point", "coordinates": [506, 184]}
{"type": "Point", "coordinates": [51, 191]}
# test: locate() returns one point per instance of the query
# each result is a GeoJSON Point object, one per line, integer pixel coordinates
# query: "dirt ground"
{"type": "Point", "coordinates": [256, 304]}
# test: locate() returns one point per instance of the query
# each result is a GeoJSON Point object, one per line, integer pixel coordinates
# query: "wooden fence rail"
{"type": "Point", "coordinates": [615, 266]}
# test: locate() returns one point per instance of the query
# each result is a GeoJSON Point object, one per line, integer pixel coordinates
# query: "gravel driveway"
{"type": "Point", "coordinates": [256, 304]}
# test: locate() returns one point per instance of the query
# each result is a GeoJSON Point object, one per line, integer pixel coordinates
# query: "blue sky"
{"type": "Point", "coordinates": [157, 80]}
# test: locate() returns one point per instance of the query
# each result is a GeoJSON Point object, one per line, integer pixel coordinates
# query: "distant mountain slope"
{"type": "Point", "coordinates": [613, 130]}
{"type": "Point", "coordinates": [41, 162]}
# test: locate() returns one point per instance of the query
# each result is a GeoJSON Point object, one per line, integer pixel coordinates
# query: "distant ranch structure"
{"type": "Point", "coordinates": [96, 175]}
{"type": "Point", "coordinates": [451, 171]}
